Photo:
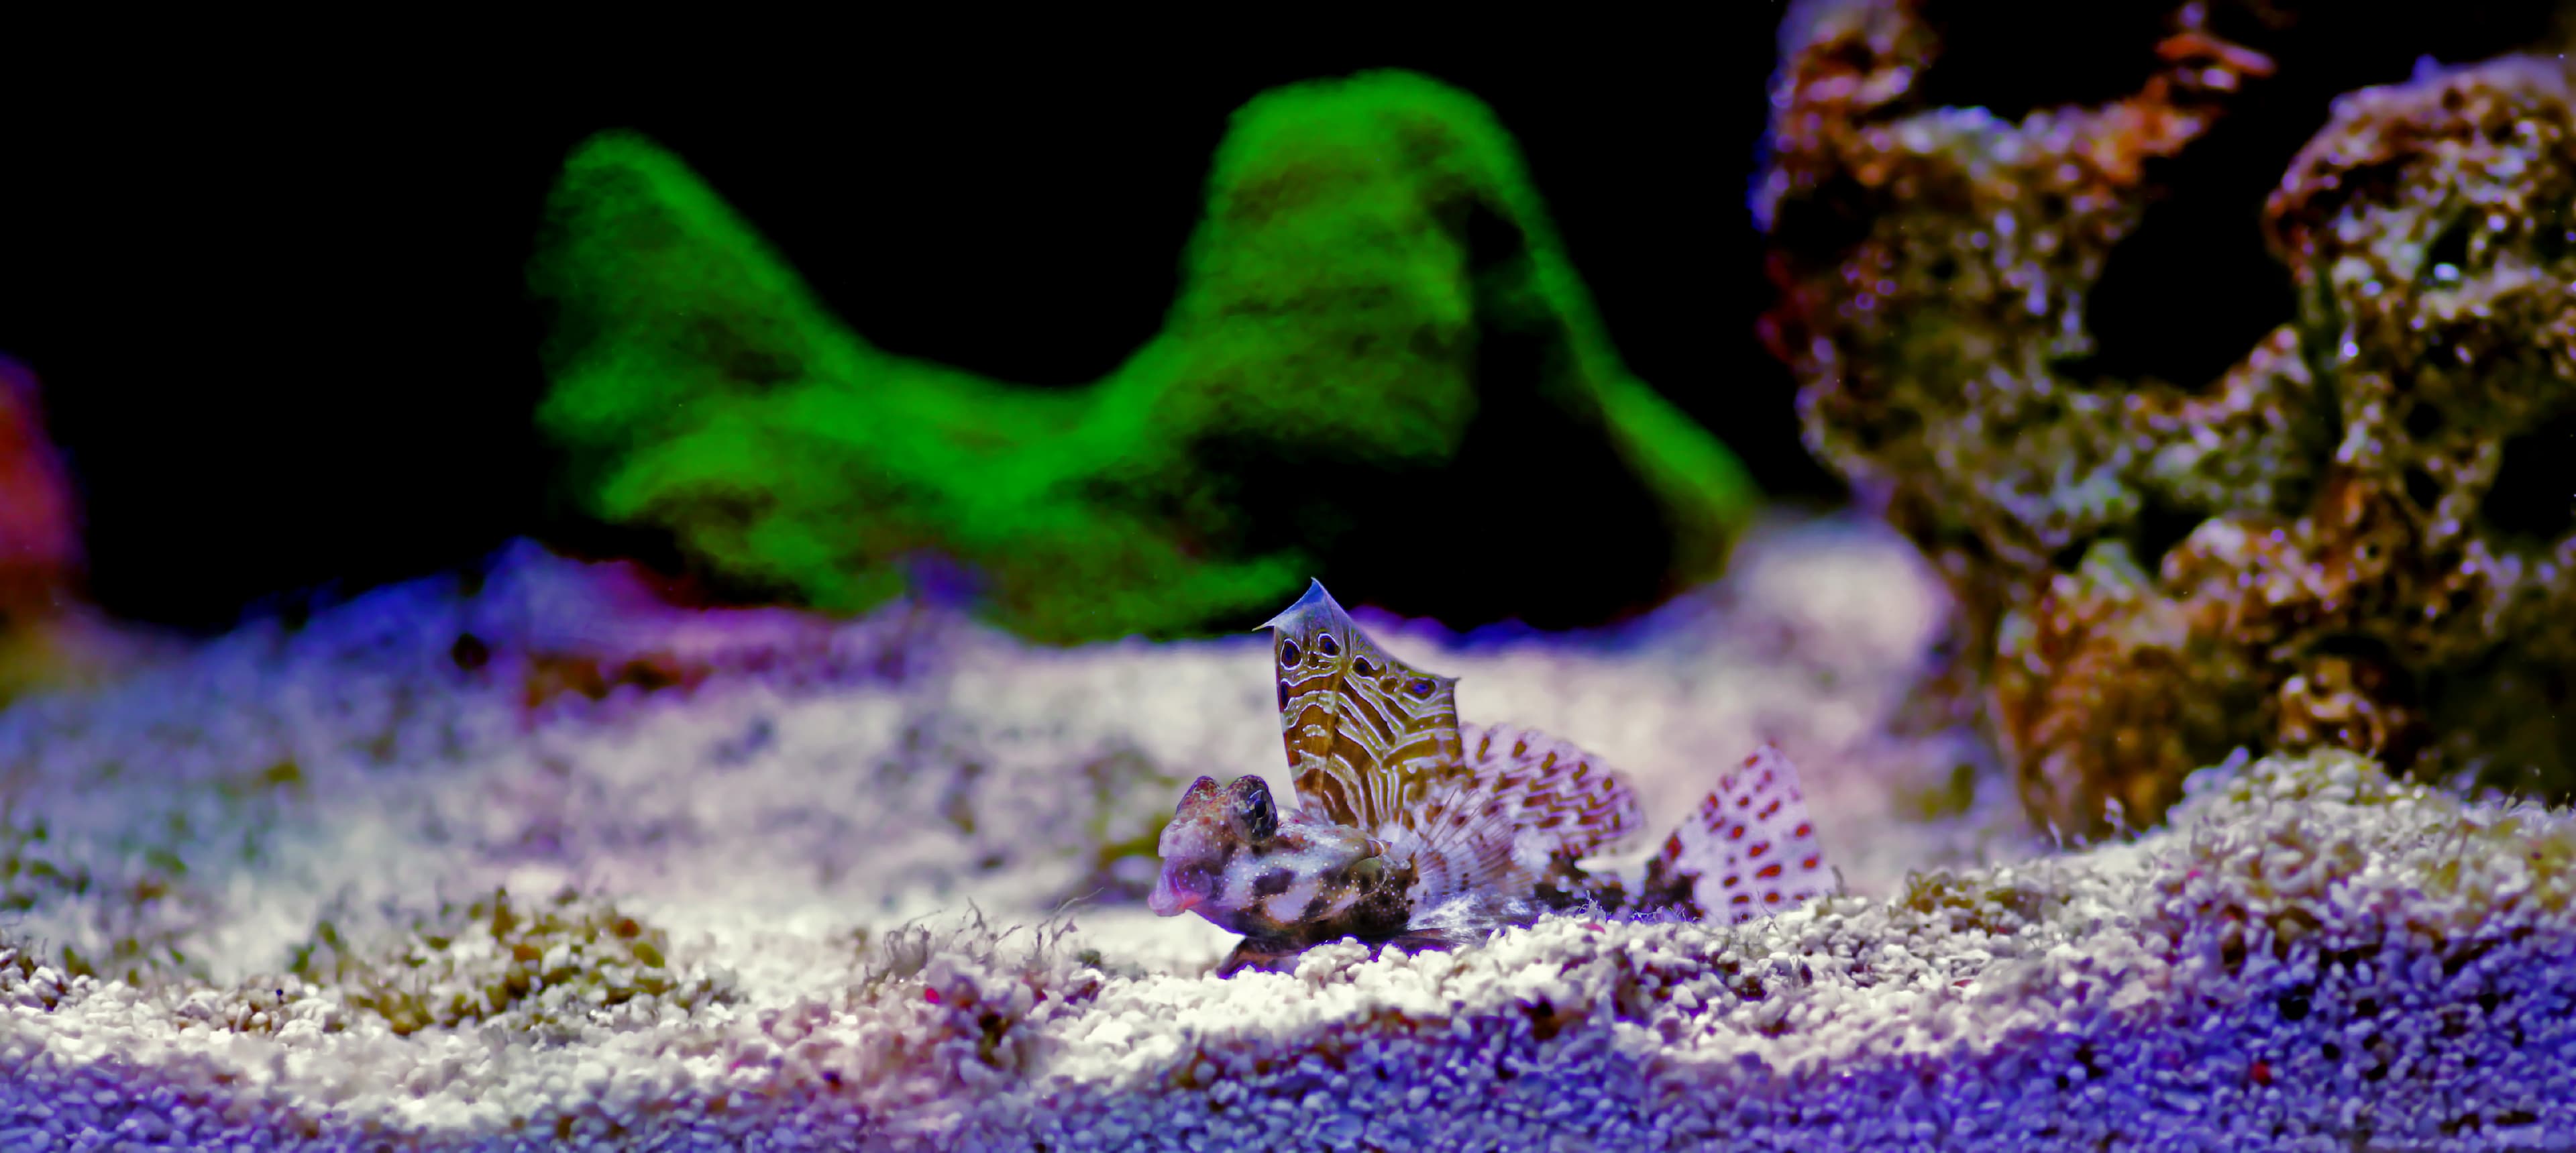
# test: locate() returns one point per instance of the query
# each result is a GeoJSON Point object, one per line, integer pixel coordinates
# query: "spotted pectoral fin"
{"type": "Point", "coordinates": [1461, 842]}
{"type": "Point", "coordinates": [1367, 735]}
{"type": "Point", "coordinates": [1750, 849]}
{"type": "Point", "coordinates": [1530, 806]}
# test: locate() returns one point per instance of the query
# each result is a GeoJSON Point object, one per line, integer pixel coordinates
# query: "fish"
{"type": "Point", "coordinates": [1412, 829]}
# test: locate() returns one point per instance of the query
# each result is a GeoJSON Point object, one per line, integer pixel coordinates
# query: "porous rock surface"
{"type": "Point", "coordinates": [2360, 536]}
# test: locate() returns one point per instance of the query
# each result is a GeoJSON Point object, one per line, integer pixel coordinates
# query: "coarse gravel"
{"type": "Point", "coordinates": [528, 860]}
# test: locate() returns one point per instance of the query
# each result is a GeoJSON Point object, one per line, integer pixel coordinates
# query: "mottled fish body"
{"type": "Point", "coordinates": [1413, 829]}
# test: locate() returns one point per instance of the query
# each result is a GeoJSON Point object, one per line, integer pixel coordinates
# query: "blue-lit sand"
{"type": "Point", "coordinates": [2308, 958]}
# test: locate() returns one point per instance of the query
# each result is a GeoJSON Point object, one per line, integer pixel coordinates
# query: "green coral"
{"type": "Point", "coordinates": [1375, 290]}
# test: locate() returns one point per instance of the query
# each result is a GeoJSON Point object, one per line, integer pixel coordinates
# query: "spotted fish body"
{"type": "Point", "coordinates": [1415, 830]}
{"type": "Point", "coordinates": [1273, 877]}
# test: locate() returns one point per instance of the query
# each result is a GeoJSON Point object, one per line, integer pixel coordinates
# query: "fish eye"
{"type": "Point", "coordinates": [1366, 667]}
{"type": "Point", "coordinates": [1252, 805]}
{"type": "Point", "coordinates": [1421, 688]}
{"type": "Point", "coordinates": [1325, 643]}
{"type": "Point", "coordinates": [1288, 653]}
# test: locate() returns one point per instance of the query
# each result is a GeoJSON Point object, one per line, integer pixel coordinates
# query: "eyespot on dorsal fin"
{"type": "Point", "coordinates": [1748, 851]}
{"type": "Point", "coordinates": [1367, 735]}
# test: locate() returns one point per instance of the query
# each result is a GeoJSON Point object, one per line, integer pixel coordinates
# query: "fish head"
{"type": "Point", "coordinates": [1229, 855]}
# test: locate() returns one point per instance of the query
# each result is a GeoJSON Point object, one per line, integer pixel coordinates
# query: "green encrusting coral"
{"type": "Point", "coordinates": [1380, 351]}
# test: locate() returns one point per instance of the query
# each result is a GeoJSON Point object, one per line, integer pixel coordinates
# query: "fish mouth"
{"type": "Point", "coordinates": [1169, 900]}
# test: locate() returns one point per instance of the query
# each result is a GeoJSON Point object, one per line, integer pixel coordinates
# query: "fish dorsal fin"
{"type": "Point", "coordinates": [1750, 849]}
{"type": "Point", "coordinates": [1368, 735]}
{"type": "Point", "coordinates": [1529, 804]}
{"type": "Point", "coordinates": [1564, 800]}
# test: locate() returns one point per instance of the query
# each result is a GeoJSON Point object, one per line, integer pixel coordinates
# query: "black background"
{"type": "Point", "coordinates": [276, 295]}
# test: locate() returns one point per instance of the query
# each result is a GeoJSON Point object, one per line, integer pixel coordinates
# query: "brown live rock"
{"type": "Point", "coordinates": [2361, 535]}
